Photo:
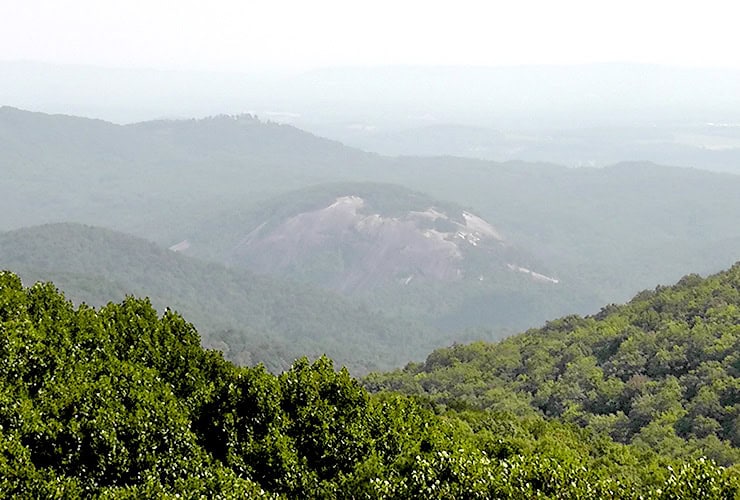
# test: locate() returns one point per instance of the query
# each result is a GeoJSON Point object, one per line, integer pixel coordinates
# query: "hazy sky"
{"type": "Point", "coordinates": [255, 34]}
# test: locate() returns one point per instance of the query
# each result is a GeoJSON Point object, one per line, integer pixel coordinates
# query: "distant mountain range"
{"type": "Point", "coordinates": [711, 146]}
{"type": "Point", "coordinates": [602, 233]}
{"type": "Point", "coordinates": [575, 115]}
{"type": "Point", "coordinates": [152, 178]}
{"type": "Point", "coordinates": [387, 97]}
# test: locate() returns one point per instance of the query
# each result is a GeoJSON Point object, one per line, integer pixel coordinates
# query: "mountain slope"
{"type": "Point", "coordinates": [151, 177]}
{"type": "Point", "coordinates": [253, 319]}
{"type": "Point", "coordinates": [619, 229]}
{"type": "Point", "coordinates": [661, 372]}
{"type": "Point", "coordinates": [401, 250]}
{"type": "Point", "coordinates": [380, 233]}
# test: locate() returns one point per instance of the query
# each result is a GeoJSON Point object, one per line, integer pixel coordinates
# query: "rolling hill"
{"type": "Point", "coordinates": [252, 319]}
{"type": "Point", "coordinates": [660, 372]}
{"type": "Point", "coordinates": [151, 178]}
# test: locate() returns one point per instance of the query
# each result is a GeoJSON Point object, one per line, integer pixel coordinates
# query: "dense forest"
{"type": "Point", "coordinates": [120, 402]}
{"type": "Point", "coordinates": [661, 372]}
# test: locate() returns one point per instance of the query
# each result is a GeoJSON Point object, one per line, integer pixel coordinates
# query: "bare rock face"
{"type": "Point", "coordinates": [349, 247]}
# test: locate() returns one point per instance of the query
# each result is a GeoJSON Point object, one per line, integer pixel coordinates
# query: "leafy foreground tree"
{"type": "Point", "coordinates": [122, 403]}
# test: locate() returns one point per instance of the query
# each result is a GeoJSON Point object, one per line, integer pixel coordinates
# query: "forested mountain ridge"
{"type": "Point", "coordinates": [121, 402]}
{"type": "Point", "coordinates": [171, 168]}
{"type": "Point", "coordinates": [660, 372]}
{"type": "Point", "coordinates": [153, 140]}
{"type": "Point", "coordinates": [387, 109]}
{"type": "Point", "coordinates": [251, 319]}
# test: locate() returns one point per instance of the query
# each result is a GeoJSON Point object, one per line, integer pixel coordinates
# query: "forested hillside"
{"type": "Point", "coordinates": [661, 372]}
{"type": "Point", "coordinates": [251, 319]}
{"type": "Point", "coordinates": [153, 179]}
{"type": "Point", "coordinates": [613, 230]}
{"type": "Point", "coordinates": [121, 402]}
